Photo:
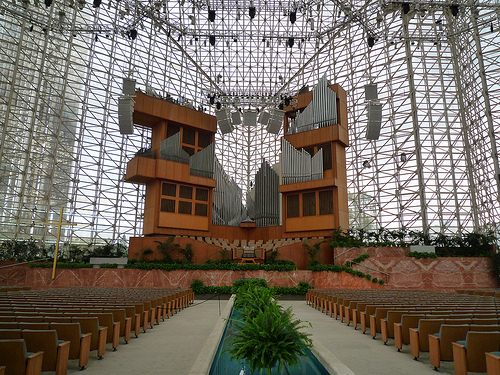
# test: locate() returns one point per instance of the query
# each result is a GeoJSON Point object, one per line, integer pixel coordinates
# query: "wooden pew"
{"type": "Point", "coordinates": [17, 361]}
{"type": "Point", "coordinates": [469, 355]}
{"type": "Point", "coordinates": [79, 342]}
{"type": "Point", "coordinates": [440, 345]}
{"type": "Point", "coordinates": [493, 363]}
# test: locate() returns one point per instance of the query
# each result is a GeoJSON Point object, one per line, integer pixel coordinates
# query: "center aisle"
{"type": "Point", "coordinates": [168, 349]}
{"type": "Point", "coordinates": [355, 353]}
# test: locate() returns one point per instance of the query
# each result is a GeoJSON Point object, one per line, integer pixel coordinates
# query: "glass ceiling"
{"type": "Point", "coordinates": [436, 65]}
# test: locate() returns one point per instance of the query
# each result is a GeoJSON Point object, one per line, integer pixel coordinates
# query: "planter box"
{"type": "Point", "coordinates": [97, 261]}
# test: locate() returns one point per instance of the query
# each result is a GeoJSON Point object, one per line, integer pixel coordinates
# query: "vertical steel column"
{"type": "Point", "coordinates": [416, 132]}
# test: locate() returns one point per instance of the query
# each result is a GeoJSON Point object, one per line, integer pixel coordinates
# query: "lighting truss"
{"type": "Point", "coordinates": [435, 166]}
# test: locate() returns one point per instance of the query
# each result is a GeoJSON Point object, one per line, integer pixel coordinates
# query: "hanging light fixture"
{"type": "Point", "coordinates": [371, 41]}
{"type": "Point", "coordinates": [454, 10]}
{"type": "Point", "coordinates": [211, 39]}
{"type": "Point", "coordinates": [211, 15]}
{"type": "Point", "coordinates": [252, 10]}
{"type": "Point", "coordinates": [96, 3]}
{"type": "Point", "coordinates": [293, 16]}
{"type": "Point", "coordinates": [290, 42]}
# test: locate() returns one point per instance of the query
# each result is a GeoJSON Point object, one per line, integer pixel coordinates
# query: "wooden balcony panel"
{"type": "Point", "coordinates": [308, 185]}
{"type": "Point", "coordinates": [140, 170]}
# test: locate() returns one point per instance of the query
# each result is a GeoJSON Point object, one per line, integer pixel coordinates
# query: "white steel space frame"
{"type": "Point", "coordinates": [436, 64]}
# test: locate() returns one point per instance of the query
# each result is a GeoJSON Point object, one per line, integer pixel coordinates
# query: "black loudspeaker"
{"type": "Point", "coordinates": [374, 121]}
{"type": "Point", "coordinates": [125, 115]}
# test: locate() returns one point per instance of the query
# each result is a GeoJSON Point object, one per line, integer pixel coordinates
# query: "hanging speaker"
{"type": "Point", "coordinates": [374, 121]}
{"type": "Point", "coordinates": [371, 92]}
{"type": "Point", "coordinates": [223, 121]}
{"type": "Point", "coordinates": [128, 86]}
{"type": "Point", "coordinates": [250, 118]}
{"type": "Point", "coordinates": [264, 118]}
{"type": "Point", "coordinates": [236, 118]}
{"type": "Point", "coordinates": [125, 115]}
{"type": "Point", "coordinates": [275, 121]}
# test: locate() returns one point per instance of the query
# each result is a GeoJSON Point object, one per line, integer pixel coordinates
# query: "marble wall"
{"type": "Point", "coordinates": [397, 270]}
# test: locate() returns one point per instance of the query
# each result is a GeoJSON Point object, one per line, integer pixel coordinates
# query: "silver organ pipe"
{"type": "Point", "coordinates": [266, 196]}
{"type": "Point", "coordinates": [317, 165]}
{"type": "Point", "coordinates": [202, 163]}
{"type": "Point", "coordinates": [321, 112]}
{"type": "Point", "coordinates": [227, 208]}
{"type": "Point", "coordinates": [299, 166]}
{"type": "Point", "coordinates": [171, 149]}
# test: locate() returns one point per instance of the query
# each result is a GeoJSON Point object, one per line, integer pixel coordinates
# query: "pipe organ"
{"type": "Point", "coordinates": [321, 112]}
{"type": "Point", "coordinates": [202, 163]}
{"type": "Point", "coordinates": [299, 166]}
{"type": "Point", "coordinates": [227, 207]}
{"type": "Point", "coordinates": [267, 196]}
{"type": "Point", "coordinates": [189, 194]}
{"type": "Point", "coordinates": [171, 149]}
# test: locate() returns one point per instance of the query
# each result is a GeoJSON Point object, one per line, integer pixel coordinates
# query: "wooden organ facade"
{"type": "Point", "coordinates": [318, 204]}
{"type": "Point", "coordinates": [188, 194]}
{"type": "Point", "coordinates": [176, 199]}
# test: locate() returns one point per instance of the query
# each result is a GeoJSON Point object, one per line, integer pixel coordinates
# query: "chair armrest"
{"type": "Point", "coordinates": [435, 351]}
{"type": "Point", "coordinates": [414, 343]}
{"type": "Point", "coordinates": [459, 358]}
{"type": "Point", "coordinates": [34, 363]}
{"type": "Point", "coordinates": [101, 347]}
{"type": "Point", "coordinates": [398, 336]}
{"type": "Point", "coordinates": [62, 358]}
{"type": "Point", "coordinates": [85, 341]}
{"type": "Point", "coordinates": [116, 335]}
{"type": "Point", "coordinates": [128, 329]}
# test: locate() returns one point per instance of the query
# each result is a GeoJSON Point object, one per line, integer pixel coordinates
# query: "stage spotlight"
{"type": "Point", "coordinates": [132, 34]}
{"type": "Point", "coordinates": [211, 39]}
{"type": "Point", "coordinates": [48, 3]}
{"type": "Point", "coordinates": [293, 16]}
{"type": "Point", "coordinates": [281, 106]}
{"type": "Point", "coordinates": [454, 9]}
{"type": "Point", "coordinates": [211, 15]}
{"type": "Point", "coordinates": [406, 7]}
{"type": "Point", "coordinates": [218, 106]}
{"type": "Point", "coordinates": [96, 3]}
{"type": "Point", "coordinates": [287, 101]}
{"type": "Point", "coordinates": [212, 99]}
{"type": "Point", "coordinates": [371, 41]}
{"type": "Point", "coordinates": [252, 11]}
{"type": "Point", "coordinates": [31, 28]}
{"type": "Point", "coordinates": [290, 42]}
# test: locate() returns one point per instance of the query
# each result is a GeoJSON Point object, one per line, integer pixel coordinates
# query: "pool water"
{"type": "Point", "coordinates": [223, 364]}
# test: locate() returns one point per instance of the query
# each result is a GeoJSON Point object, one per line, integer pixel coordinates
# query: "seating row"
{"type": "Point", "coordinates": [42, 330]}
{"type": "Point", "coordinates": [449, 326]}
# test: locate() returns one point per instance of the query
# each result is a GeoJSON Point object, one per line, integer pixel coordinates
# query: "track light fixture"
{"type": "Point", "coordinates": [211, 39]}
{"type": "Point", "coordinates": [405, 7]}
{"type": "Point", "coordinates": [211, 15]}
{"type": "Point", "coordinates": [454, 10]}
{"type": "Point", "coordinates": [211, 99]}
{"type": "Point", "coordinates": [371, 41]}
{"type": "Point", "coordinates": [290, 42]}
{"type": "Point", "coordinates": [287, 101]}
{"type": "Point", "coordinates": [252, 11]}
{"type": "Point", "coordinates": [218, 106]}
{"type": "Point", "coordinates": [48, 3]}
{"type": "Point", "coordinates": [293, 16]}
{"type": "Point", "coordinates": [96, 3]}
{"type": "Point", "coordinates": [132, 34]}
